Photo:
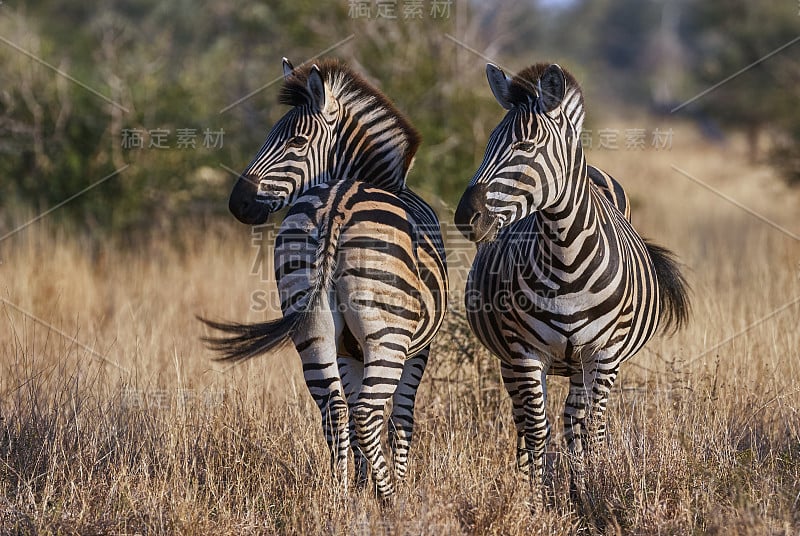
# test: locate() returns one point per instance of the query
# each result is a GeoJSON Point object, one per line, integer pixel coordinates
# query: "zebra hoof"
{"type": "Point", "coordinates": [581, 499]}
{"type": "Point", "coordinates": [386, 499]}
{"type": "Point", "coordinates": [360, 484]}
{"type": "Point", "coordinates": [536, 504]}
{"type": "Point", "coordinates": [537, 500]}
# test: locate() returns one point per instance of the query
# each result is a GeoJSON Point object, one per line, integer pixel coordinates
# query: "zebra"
{"type": "Point", "coordinates": [561, 283]}
{"type": "Point", "coordinates": [359, 262]}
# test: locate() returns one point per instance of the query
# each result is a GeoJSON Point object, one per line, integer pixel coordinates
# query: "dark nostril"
{"type": "Point", "coordinates": [475, 217]}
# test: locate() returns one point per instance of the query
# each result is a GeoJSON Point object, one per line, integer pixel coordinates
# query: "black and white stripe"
{"type": "Point", "coordinates": [561, 283]}
{"type": "Point", "coordinates": [359, 261]}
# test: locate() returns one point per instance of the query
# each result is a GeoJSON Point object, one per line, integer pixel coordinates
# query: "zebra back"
{"type": "Point", "coordinates": [611, 189]}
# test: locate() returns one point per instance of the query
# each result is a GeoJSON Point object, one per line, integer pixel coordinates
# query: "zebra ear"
{"type": "Point", "coordinates": [552, 88]}
{"type": "Point", "coordinates": [499, 83]}
{"type": "Point", "coordinates": [316, 88]}
{"type": "Point", "coordinates": [288, 68]}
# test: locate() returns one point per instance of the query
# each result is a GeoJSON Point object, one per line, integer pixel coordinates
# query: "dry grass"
{"type": "Point", "coordinates": [172, 443]}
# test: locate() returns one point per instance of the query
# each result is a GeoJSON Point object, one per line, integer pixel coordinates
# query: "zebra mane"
{"type": "Point", "coordinates": [350, 89]}
{"type": "Point", "coordinates": [524, 88]}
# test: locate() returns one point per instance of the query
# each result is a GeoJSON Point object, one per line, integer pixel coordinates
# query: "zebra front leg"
{"type": "Point", "coordinates": [509, 381]}
{"type": "Point", "coordinates": [383, 368]}
{"type": "Point", "coordinates": [525, 378]}
{"type": "Point", "coordinates": [401, 424]}
{"type": "Point", "coordinates": [352, 371]}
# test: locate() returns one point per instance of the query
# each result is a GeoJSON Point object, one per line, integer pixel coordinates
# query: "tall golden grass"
{"type": "Point", "coordinates": [116, 421]}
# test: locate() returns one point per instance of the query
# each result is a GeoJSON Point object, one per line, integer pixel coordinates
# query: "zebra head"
{"type": "Point", "coordinates": [531, 155]}
{"type": "Point", "coordinates": [295, 155]}
{"type": "Point", "coordinates": [340, 127]}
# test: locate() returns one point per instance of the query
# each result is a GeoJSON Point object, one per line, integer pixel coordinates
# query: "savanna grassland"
{"type": "Point", "coordinates": [115, 420]}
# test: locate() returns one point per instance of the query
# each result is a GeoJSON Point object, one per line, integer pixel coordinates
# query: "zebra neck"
{"type": "Point", "coordinates": [384, 170]}
{"type": "Point", "coordinates": [564, 229]}
{"type": "Point", "coordinates": [375, 148]}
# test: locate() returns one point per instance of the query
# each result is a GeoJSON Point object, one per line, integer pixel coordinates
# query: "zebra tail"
{"type": "Point", "coordinates": [674, 290]}
{"type": "Point", "coordinates": [243, 341]}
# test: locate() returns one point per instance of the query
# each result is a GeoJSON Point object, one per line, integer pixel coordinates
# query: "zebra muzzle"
{"type": "Point", "coordinates": [243, 204]}
{"type": "Point", "coordinates": [473, 219]}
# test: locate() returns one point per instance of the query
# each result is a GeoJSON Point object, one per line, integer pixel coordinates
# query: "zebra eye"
{"type": "Point", "coordinates": [524, 146]}
{"type": "Point", "coordinates": [296, 142]}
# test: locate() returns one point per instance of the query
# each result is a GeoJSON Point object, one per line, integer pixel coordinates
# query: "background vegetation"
{"type": "Point", "coordinates": [113, 419]}
{"type": "Point", "coordinates": [172, 66]}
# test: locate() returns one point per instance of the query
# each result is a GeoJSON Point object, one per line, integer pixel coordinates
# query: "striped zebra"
{"type": "Point", "coordinates": [359, 261]}
{"type": "Point", "coordinates": [561, 283]}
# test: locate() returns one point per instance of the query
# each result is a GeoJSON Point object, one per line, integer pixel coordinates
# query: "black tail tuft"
{"type": "Point", "coordinates": [674, 290]}
{"type": "Point", "coordinates": [244, 341]}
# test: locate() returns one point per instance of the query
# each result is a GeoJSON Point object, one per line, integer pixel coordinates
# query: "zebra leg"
{"type": "Point", "coordinates": [509, 381]}
{"type": "Point", "coordinates": [604, 381]}
{"type": "Point", "coordinates": [352, 370]}
{"type": "Point", "coordinates": [401, 424]}
{"type": "Point", "coordinates": [584, 413]}
{"type": "Point", "coordinates": [383, 368]}
{"type": "Point", "coordinates": [382, 310]}
{"type": "Point", "coordinates": [576, 410]}
{"type": "Point", "coordinates": [317, 348]}
{"type": "Point", "coordinates": [524, 378]}
{"type": "Point", "coordinates": [584, 416]}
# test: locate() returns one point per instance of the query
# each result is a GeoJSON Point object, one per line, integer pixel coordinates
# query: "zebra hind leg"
{"type": "Point", "coordinates": [352, 370]}
{"type": "Point", "coordinates": [335, 428]}
{"type": "Point", "coordinates": [326, 390]}
{"type": "Point", "coordinates": [576, 410]}
{"type": "Point", "coordinates": [401, 424]}
{"type": "Point", "coordinates": [316, 344]}
{"type": "Point", "coordinates": [584, 422]}
{"type": "Point", "coordinates": [382, 371]}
